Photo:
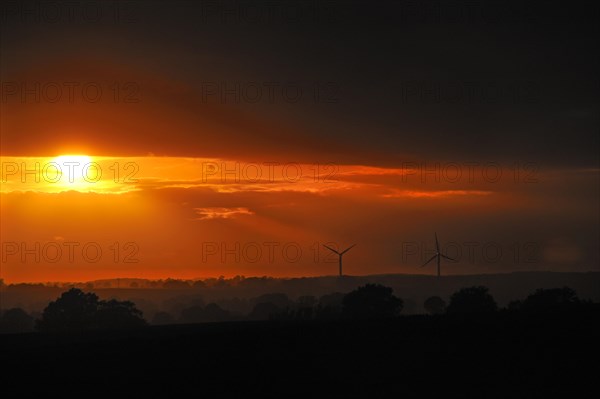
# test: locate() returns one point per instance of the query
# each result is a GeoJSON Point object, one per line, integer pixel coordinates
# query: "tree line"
{"type": "Point", "coordinates": [76, 310]}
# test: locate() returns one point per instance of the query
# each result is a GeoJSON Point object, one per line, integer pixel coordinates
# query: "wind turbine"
{"type": "Point", "coordinates": [437, 255]}
{"type": "Point", "coordinates": [340, 254]}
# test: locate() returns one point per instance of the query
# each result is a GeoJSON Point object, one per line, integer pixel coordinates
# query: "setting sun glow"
{"type": "Point", "coordinates": [74, 171]}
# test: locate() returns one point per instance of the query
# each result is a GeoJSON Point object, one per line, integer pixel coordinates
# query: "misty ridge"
{"type": "Point", "coordinates": [132, 303]}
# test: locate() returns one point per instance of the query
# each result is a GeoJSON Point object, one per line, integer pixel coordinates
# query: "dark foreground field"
{"type": "Point", "coordinates": [505, 355]}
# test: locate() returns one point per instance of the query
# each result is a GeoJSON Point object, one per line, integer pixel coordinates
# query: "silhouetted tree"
{"type": "Point", "coordinates": [372, 301]}
{"type": "Point", "coordinates": [236, 280]}
{"type": "Point", "coordinates": [307, 301]}
{"type": "Point", "coordinates": [514, 305]}
{"type": "Point", "coordinates": [550, 299]}
{"type": "Point", "coordinates": [176, 305]}
{"type": "Point", "coordinates": [221, 282]}
{"type": "Point", "coordinates": [304, 308]}
{"type": "Point", "coordinates": [115, 314]}
{"type": "Point", "coordinates": [330, 306]}
{"type": "Point", "coordinates": [214, 313]}
{"type": "Point", "coordinates": [472, 300]}
{"type": "Point", "coordinates": [199, 284]}
{"type": "Point", "coordinates": [335, 299]}
{"type": "Point", "coordinates": [235, 305]}
{"type": "Point", "coordinates": [16, 320]}
{"type": "Point", "coordinates": [155, 284]}
{"type": "Point", "coordinates": [435, 305]}
{"type": "Point", "coordinates": [171, 284]}
{"type": "Point", "coordinates": [278, 299]}
{"type": "Point", "coordinates": [264, 311]}
{"type": "Point", "coordinates": [76, 310]}
{"type": "Point", "coordinates": [73, 310]}
{"type": "Point", "coordinates": [304, 313]}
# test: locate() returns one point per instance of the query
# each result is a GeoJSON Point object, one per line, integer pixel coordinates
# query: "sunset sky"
{"type": "Point", "coordinates": [204, 143]}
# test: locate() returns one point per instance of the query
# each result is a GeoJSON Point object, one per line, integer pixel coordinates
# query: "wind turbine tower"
{"type": "Point", "coordinates": [340, 254]}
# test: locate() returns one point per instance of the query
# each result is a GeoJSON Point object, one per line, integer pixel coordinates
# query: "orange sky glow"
{"type": "Point", "coordinates": [80, 217]}
{"type": "Point", "coordinates": [167, 184]}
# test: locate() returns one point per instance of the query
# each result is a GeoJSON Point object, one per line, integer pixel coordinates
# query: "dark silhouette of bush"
{"type": "Point", "coordinates": [550, 300]}
{"type": "Point", "coordinates": [435, 305]}
{"type": "Point", "coordinates": [76, 310]}
{"type": "Point", "coordinates": [16, 320]}
{"type": "Point", "coordinates": [472, 300]}
{"type": "Point", "coordinates": [372, 301]}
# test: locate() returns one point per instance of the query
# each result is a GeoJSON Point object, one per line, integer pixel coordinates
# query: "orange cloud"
{"type": "Point", "coordinates": [435, 194]}
{"type": "Point", "coordinates": [221, 213]}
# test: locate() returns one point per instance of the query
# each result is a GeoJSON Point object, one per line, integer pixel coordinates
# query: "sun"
{"type": "Point", "coordinates": [74, 171]}
{"type": "Point", "coordinates": [69, 172]}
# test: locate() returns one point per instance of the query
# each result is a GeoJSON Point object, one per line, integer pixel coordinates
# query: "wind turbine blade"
{"type": "Point", "coordinates": [348, 249]}
{"type": "Point", "coordinates": [437, 244]}
{"type": "Point", "coordinates": [447, 257]}
{"type": "Point", "coordinates": [432, 258]}
{"type": "Point", "coordinates": [331, 249]}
